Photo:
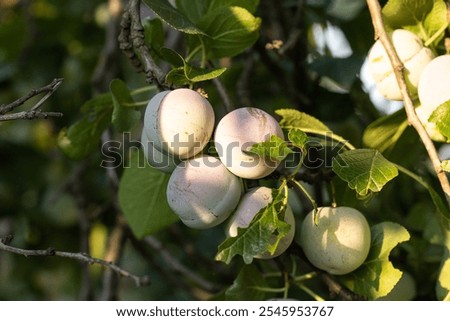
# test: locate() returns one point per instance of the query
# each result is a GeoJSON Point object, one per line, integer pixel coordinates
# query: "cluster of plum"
{"type": "Point", "coordinates": [426, 75]}
{"type": "Point", "coordinates": [205, 191]}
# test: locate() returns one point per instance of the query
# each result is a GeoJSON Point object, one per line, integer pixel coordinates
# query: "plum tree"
{"type": "Point", "coordinates": [202, 192]}
{"type": "Point", "coordinates": [339, 242]}
{"type": "Point", "coordinates": [251, 203]}
{"type": "Point", "coordinates": [237, 132]}
{"type": "Point", "coordinates": [179, 122]}
{"type": "Point", "coordinates": [411, 52]}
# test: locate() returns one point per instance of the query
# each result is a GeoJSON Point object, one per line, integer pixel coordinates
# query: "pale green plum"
{"type": "Point", "coordinates": [159, 160]}
{"type": "Point", "coordinates": [434, 84]}
{"type": "Point", "coordinates": [202, 192]}
{"type": "Point", "coordinates": [237, 132]}
{"type": "Point", "coordinates": [412, 54]}
{"type": "Point", "coordinates": [179, 122]}
{"type": "Point", "coordinates": [340, 241]}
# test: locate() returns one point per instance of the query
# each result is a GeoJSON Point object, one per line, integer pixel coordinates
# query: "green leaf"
{"type": "Point", "coordinates": [154, 34]}
{"type": "Point", "coordinates": [191, 73]}
{"type": "Point", "coordinates": [442, 210]}
{"type": "Point", "coordinates": [83, 137]}
{"type": "Point", "coordinates": [436, 21]}
{"type": "Point", "coordinates": [124, 117]}
{"type": "Point", "coordinates": [176, 77]}
{"type": "Point", "coordinates": [384, 132]}
{"type": "Point", "coordinates": [298, 138]}
{"type": "Point", "coordinates": [246, 285]}
{"type": "Point", "coordinates": [276, 149]}
{"type": "Point", "coordinates": [195, 10]}
{"type": "Point", "coordinates": [441, 117]}
{"type": "Point", "coordinates": [445, 165]}
{"type": "Point", "coordinates": [400, 13]}
{"type": "Point", "coordinates": [345, 10]}
{"type": "Point", "coordinates": [343, 71]}
{"type": "Point", "coordinates": [172, 16]}
{"type": "Point", "coordinates": [292, 118]}
{"type": "Point", "coordinates": [428, 19]}
{"type": "Point", "coordinates": [377, 276]}
{"type": "Point", "coordinates": [257, 237]}
{"type": "Point", "coordinates": [195, 74]}
{"type": "Point", "coordinates": [231, 30]}
{"type": "Point", "coordinates": [443, 281]}
{"type": "Point", "coordinates": [365, 170]}
{"type": "Point", "coordinates": [142, 197]}
{"type": "Point", "coordinates": [172, 57]}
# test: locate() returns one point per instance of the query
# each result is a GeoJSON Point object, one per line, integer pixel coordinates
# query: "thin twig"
{"type": "Point", "coordinates": [82, 257]}
{"type": "Point", "coordinates": [242, 85]}
{"type": "Point", "coordinates": [30, 115]}
{"type": "Point", "coordinates": [175, 265]}
{"type": "Point", "coordinates": [336, 289]}
{"type": "Point", "coordinates": [223, 94]}
{"type": "Point", "coordinates": [413, 119]}
{"type": "Point", "coordinates": [34, 112]}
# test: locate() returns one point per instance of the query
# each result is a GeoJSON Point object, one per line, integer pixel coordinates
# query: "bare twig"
{"type": "Point", "coordinates": [242, 85]}
{"type": "Point", "coordinates": [82, 257]}
{"type": "Point", "coordinates": [34, 112]}
{"type": "Point", "coordinates": [131, 39]}
{"type": "Point", "coordinates": [380, 33]}
{"type": "Point", "coordinates": [336, 289]}
{"type": "Point", "coordinates": [223, 94]}
{"type": "Point", "coordinates": [175, 265]}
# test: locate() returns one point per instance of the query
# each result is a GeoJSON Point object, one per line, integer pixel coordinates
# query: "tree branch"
{"type": "Point", "coordinates": [336, 289]}
{"type": "Point", "coordinates": [131, 40]}
{"type": "Point", "coordinates": [34, 112]}
{"type": "Point", "coordinates": [176, 266]}
{"type": "Point", "coordinates": [413, 119]}
{"type": "Point", "coordinates": [82, 257]}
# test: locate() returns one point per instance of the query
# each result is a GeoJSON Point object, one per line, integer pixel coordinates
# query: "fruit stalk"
{"type": "Point", "coordinates": [413, 119]}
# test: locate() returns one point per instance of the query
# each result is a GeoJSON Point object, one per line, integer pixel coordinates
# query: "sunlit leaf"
{"type": "Point", "coordinates": [195, 10]}
{"type": "Point", "coordinates": [441, 117]}
{"type": "Point", "coordinates": [257, 238]}
{"type": "Point", "coordinates": [294, 118]}
{"type": "Point", "coordinates": [384, 132]}
{"type": "Point", "coordinates": [275, 149]}
{"type": "Point", "coordinates": [377, 276]}
{"type": "Point", "coordinates": [298, 138]}
{"type": "Point", "coordinates": [365, 170]}
{"type": "Point", "coordinates": [231, 30]}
